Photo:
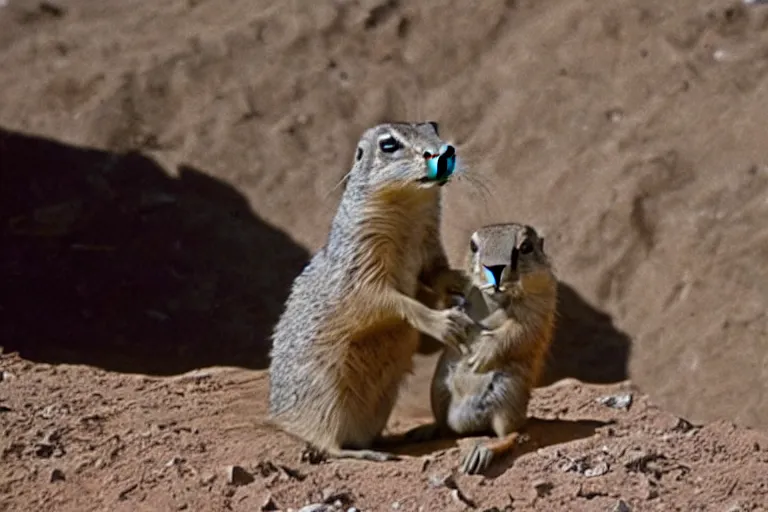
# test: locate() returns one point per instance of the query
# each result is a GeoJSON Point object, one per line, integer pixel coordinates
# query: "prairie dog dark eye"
{"type": "Point", "coordinates": [359, 154]}
{"type": "Point", "coordinates": [473, 246]}
{"type": "Point", "coordinates": [389, 144]}
{"type": "Point", "coordinates": [526, 247]}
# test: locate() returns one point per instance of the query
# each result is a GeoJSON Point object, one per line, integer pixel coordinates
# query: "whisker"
{"type": "Point", "coordinates": [340, 183]}
{"type": "Point", "coordinates": [478, 188]}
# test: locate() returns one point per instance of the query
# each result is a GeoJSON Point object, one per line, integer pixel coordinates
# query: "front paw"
{"type": "Point", "coordinates": [483, 356]}
{"type": "Point", "coordinates": [452, 328]}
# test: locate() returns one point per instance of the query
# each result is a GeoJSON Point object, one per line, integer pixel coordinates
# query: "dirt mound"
{"type": "Point", "coordinates": [166, 168]}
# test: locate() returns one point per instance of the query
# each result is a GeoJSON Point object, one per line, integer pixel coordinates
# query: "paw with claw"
{"type": "Point", "coordinates": [450, 327]}
{"type": "Point", "coordinates": [484, 353]}
{"type": "Point", "coordinates": [477, 460]}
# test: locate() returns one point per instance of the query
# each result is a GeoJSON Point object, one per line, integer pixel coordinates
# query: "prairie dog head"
{"type": "Point", "coordinates": [402, 155]}
{"type": "Point", "coordinates": [509, 257]}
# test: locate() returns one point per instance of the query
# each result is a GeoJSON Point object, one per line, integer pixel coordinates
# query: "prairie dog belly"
{"type": "Point", "coordinates": [476, 398]}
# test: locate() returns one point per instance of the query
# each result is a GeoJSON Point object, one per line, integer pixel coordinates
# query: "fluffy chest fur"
{"type": "Point", "coordinates": [398, 236]}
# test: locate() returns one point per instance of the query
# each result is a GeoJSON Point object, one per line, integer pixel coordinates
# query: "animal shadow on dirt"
{"type": "Point", "coordinates": [107, 260]}
{"type": "Point", "coordinates": [541, 433]}
{"type": "Point", "coordinates": [537, 433]}
{"type": "Point", "coordinates": [587, 346]}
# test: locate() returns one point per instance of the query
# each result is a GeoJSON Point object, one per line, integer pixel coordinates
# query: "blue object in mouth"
{"type": "Point", "coordinates": [441, 166]}
{"type": "Point", "coordinates": [490, 277]}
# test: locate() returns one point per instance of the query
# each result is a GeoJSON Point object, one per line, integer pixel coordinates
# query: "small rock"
{"type": "Point", "coordinates": [579, 465]}
{"type": "Point", "coordinates": [57, 475]}
{"type": "Point", "coordinates": [598, 469]}
{"type": "Point", "coordinates": [647, 463]}
{"type": "Point", "coordinates": [207, 479]}
{"type": "Point", "coordinates": [437, 481]}
{"type": "Point", "coordinates": [620, 401]}
{"type": "Point", "coordinates": [543, 488]}
{"type": "Point", "coordinates": [237, 475]}
{"type": "Point", "coordinates": [266, 468]}
{"type": "Point", "coordinates": [317, 507]}
{"type": "Point", "coordinates": [330, 496]}
{"type": "Point", "coordinates": [459, 498]}
{"type": "Point", "coordinates": [683, 426]}
{"type": "Point", "coordinates": [269, 504]}
{"type": "Point", "coordinates": [621, 506]}
{"type": "Point", "coordinates": [173, 462]}
{"type": "Point", "coordinates": [352, 509]}
{"type": "Point", "coordinates": [396, 505]}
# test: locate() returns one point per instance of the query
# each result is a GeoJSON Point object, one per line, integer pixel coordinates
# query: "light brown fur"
{"type": "Point", "coordinates": [351, 324]}
{"type": "Point", "coordinates": [489, 389]}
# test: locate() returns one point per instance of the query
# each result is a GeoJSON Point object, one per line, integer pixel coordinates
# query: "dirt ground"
{"type": "Point", "coordinates": [167, 168]}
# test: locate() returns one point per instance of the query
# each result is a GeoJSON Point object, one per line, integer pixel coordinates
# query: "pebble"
{"type": "Point", "coordinates": [621, 506]}
{"type": "Point", "coordinates": [317, 507]}
{"type": "Point", "coordinates": [599, 469]}
{"type": "Point", "coordinates": [269, 504]}
{"type": "Point", "coordinates": [437, 481]}
{"type": "Point", "coordinates": [237, 475]}
{"type": "Point", "coordinates": [620, 401]}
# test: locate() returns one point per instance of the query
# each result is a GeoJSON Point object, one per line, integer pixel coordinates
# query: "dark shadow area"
{"type": "Point", "coordinates": [543, 433]}
{"type": "Point", "coordinates": [107, 260]}
{"type": "Point", "coordinates": [587, 346]}
{"type": "Point", "coordinates": [540, 433]}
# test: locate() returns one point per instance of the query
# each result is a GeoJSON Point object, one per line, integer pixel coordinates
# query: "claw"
{"type": "Point", "coordinates": [477, 460]}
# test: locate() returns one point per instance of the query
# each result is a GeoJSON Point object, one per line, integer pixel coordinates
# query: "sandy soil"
{"type": "Point", "coordinates": [166, 168]}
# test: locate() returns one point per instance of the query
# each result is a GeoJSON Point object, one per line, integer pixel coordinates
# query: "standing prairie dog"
{"type": "Point", "coordinates": [351, 323]}
{"type": "Point", "coordinates": [513, 297]}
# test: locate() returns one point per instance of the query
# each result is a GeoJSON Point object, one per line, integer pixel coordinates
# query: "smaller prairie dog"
{"type": "Point", "coordinates": [513, 298]}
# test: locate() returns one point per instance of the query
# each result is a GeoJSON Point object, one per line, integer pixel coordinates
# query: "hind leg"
{"type": "Point", "coordinates": [482, 455]}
